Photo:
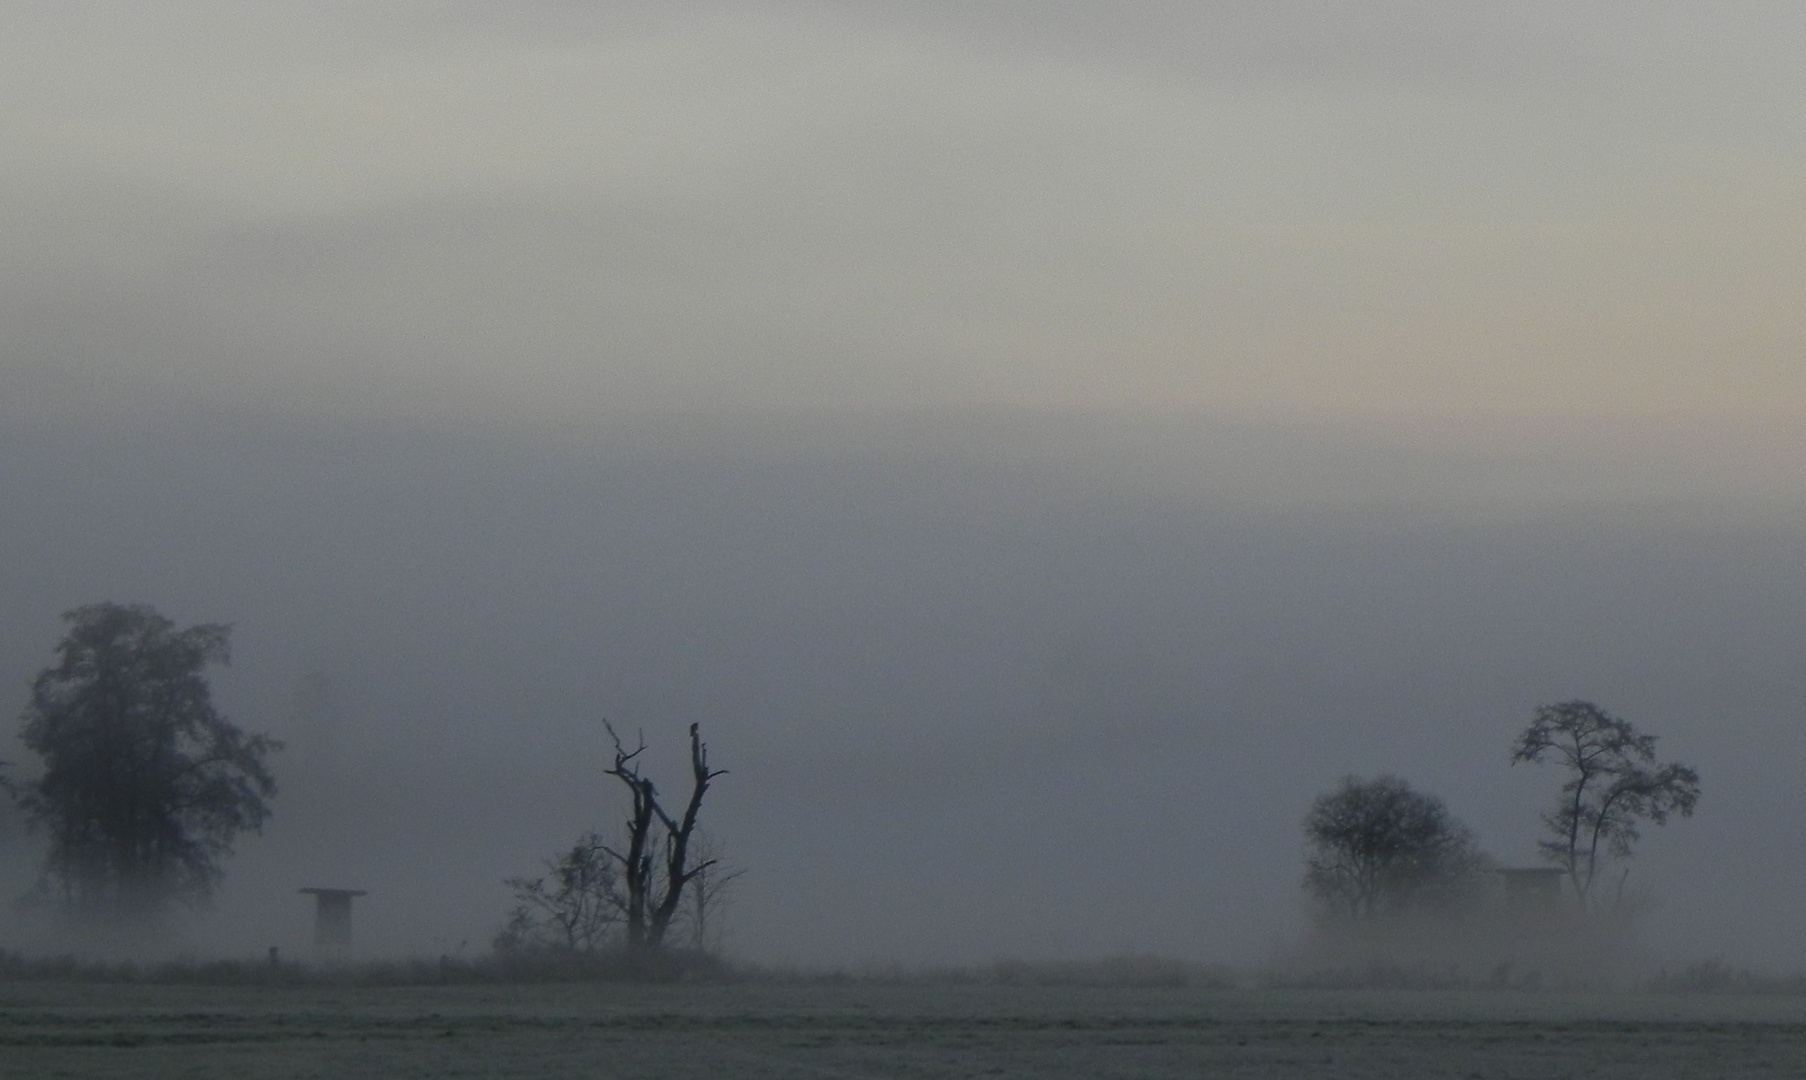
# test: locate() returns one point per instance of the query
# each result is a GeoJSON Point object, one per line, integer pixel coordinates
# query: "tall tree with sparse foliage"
{"type": "Point", "coordinates": [144, 784]}
{"type": "Point", "coordinates": [1614, 785]}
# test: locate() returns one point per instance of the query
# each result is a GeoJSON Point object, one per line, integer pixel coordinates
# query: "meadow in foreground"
{"type": "Point", "coordinates": [758, 1031]}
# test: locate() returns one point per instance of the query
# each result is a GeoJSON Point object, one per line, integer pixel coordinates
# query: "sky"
{"type": "Point", "coordinates": [1043, 444]}
{"type": "Point", "coordinates": [480, 210]}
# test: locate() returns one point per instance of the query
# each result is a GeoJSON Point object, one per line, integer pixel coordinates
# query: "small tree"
{"type": "Point", "coordinates": [1377, 846]}
{"type": "Point", "coordinates": [699, 920]}
{"type": "Point", "coordinates": [1614, 784]}
{"type": "Point", "coordinates": [575, 906]}
{"type": "Point", "coordinates": [144, 784]}
{"type": "Point", "coordinates": [658, 863]}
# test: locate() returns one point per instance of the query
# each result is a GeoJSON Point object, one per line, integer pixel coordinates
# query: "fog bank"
{"type": "Point", "coordinates": [987, 683]}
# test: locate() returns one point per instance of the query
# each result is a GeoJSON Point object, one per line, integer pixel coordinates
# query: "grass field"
{"type": "Point", "coordinates": [750, 1032]}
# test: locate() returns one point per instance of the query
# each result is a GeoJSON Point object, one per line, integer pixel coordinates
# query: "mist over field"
{"type": "Point", "coordinates": [1044, 447]}
{"type": "Point", "coordinates": [987, 683]}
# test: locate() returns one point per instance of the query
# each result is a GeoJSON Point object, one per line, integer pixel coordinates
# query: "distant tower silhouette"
{"type": "Point", "coordinates": [332, 918]}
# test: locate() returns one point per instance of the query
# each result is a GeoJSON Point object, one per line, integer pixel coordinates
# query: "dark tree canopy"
{"type": "Point", "coordinates": [1377, 846]}
{"type": "Point", "coordinates": [144, 783]}
{"type": "Point", "coordinates": [1614, 784]}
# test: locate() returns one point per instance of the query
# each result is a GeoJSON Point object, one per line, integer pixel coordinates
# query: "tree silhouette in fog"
{"type": "Point", "coordinates": [663, 884]}
{"type": "Point", "coordinates": [575, 906]}
{"type": "Point", "coordinates": [1614, 784]}
{"type": "Point", "coordinates": [1378, 846]}
{"type": "Point", "coordinates": [658, 864]}
{"type": "Point", "coordinates": [144, 784]}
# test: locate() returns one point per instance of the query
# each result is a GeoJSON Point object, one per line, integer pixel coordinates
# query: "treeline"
{"type": "Point", "coordinates": [1399, 887]}
{"type": "Point", "coordinates": [1378, 847]}
{"type": "Point", "coordinates": [143, 786]}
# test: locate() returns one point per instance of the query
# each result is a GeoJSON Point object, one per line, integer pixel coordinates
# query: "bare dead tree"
{"type": "Point", "coordinates": [657, 865]}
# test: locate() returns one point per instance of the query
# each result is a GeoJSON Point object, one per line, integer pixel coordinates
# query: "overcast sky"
{"type": "Point", "coordinates": [1284, 208]}
{"type": "Point", "coordinates": [1017, 432]}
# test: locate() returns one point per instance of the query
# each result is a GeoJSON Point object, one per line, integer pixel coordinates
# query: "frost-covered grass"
{"type": "Point", "coordinates": [616, 965]}
{"type": "Point", "coordinates": [750, 1031]}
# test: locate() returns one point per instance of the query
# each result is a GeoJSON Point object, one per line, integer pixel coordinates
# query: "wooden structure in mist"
{"type": "Point", "coordinates": [332, 917]}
